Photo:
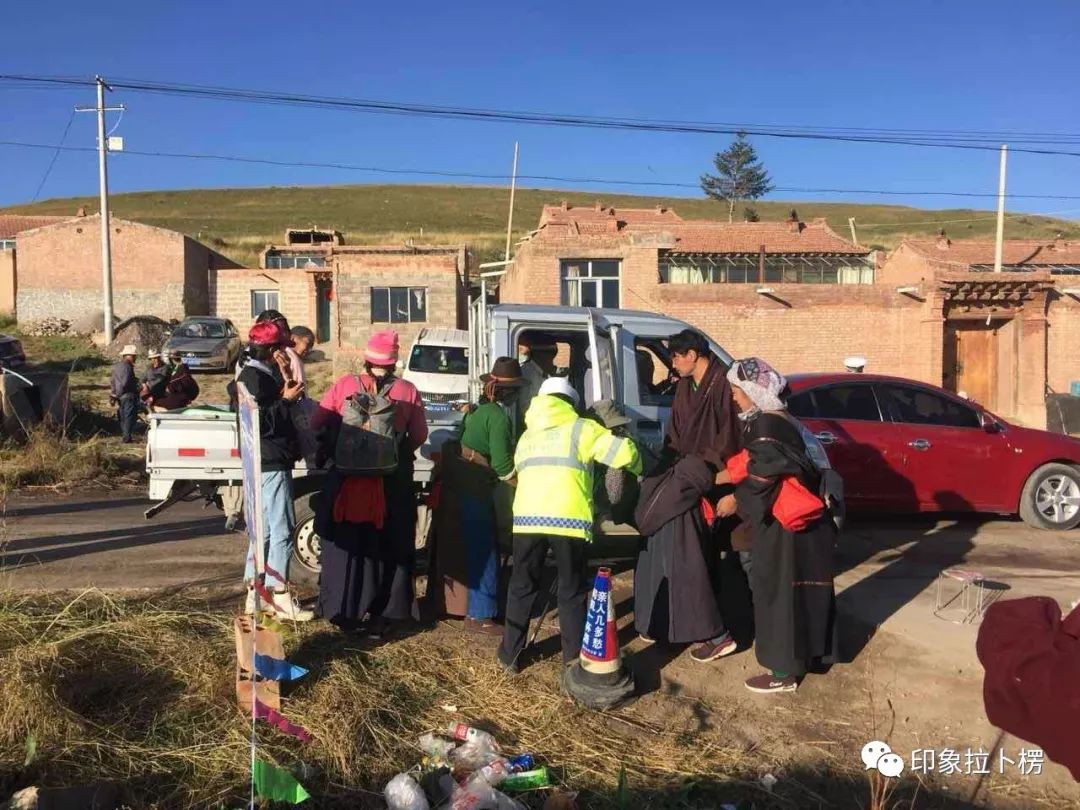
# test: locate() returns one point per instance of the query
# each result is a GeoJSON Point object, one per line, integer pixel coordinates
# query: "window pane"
{"type": "Point", "coordinates": [610, 297]}
{"type": "Point", "coordinates": [918, 406]}
{"type": "Point", "coordinates": [399, 305]}
{"type": "Point", "coordinates": [607, 268]}
{"type": "Point", "coordinates": [417, 304]}
{"type": "Point", "coordinates": [773, 272]}
{"type": "Point", "coordinates": [587, 293]}
{"type": "Point", "coordinates": [802, 405]}
{"type": "Point", "coordinates": [380, 305]}
{"type": "Point", "coordinates": [847, 402]}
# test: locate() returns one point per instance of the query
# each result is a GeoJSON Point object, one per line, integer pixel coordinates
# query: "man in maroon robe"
{"type": "Point", "coordinates": [679, 566]}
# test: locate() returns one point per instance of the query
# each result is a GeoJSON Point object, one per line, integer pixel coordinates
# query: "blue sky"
{"type": "Point", "coordinates": [988, 65]}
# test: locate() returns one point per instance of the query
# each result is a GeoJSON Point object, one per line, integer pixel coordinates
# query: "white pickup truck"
{"type": "Point", "coordinates": [613, 354]}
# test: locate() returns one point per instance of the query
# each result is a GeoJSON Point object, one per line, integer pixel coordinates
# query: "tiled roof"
{"type": "Point", "coordinates": [12, 224]}
{"type": "Point", "coordinates": [693, 236]}
{"type": "Point", "coordinates": [981, 251]}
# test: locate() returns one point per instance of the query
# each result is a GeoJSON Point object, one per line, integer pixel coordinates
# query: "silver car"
{"type": "Point", "coordinates": [206, 344]}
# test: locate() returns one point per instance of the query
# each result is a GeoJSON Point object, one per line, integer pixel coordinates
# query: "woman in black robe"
{"type": "Point", "coordinates": [792, 574]}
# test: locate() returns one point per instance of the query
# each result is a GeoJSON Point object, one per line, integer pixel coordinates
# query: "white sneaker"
{"type": "Point", "coordinates": [286, 606]}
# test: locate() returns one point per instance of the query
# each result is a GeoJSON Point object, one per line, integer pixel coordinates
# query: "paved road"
{"type": "Point", "coordinates": [103, 541]}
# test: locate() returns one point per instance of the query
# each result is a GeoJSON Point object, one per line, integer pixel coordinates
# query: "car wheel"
{"type": "Point", "coordinates": [306, 544]}
{"type": "Point", "coordinates": [1051, 497]}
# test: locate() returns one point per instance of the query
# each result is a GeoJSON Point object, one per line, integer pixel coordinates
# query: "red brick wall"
{"type": "Point", "coordinates": [230, 295]}
{"type": "Point", "coordinates": [1063, 342]}
{"type": "Point", "coordinates": [7, 281]}
{"type": "Point", "coordinates": [813, 328]}
{"type": "Point", "coordinates": [154, 271]}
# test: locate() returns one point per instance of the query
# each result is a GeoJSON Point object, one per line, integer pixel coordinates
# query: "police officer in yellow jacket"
{"type": "Point", "coordinates": [553, 507]}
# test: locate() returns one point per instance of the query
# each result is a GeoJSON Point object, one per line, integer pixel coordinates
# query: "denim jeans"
{"type": "Point", "coordinates": [278, 520]}
{"type": "Point", "coordinates": [127, 411]}
{"type": "Point", "coordinates": [478, 528]}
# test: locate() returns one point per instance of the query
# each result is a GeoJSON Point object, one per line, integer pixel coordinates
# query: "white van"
{"type": "Point", "coordinates": [438, 365]}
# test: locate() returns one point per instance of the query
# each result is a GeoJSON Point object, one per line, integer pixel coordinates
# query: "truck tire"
{"type": "Point", "coordinates": [1051, 498]}
{"type": "Point", "coordinates": [304, 569]}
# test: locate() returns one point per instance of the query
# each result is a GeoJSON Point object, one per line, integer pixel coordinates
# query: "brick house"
{"type": "Point", "coordinates": [1008, 338]}
{"type": "Point", "coordinates": [345, 292]}
{"type": "Point", "coordinates": [803, 297]}
{"type": "Point", "coordinates": [11, 225]}
{"type": "Point", "coordinates": [154, 271]}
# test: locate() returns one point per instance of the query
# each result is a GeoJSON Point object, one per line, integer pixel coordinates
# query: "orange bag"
{"type": "Point", "coordinates": [738, 466]}
{"type": "Point", "coordinates": [797, 508]}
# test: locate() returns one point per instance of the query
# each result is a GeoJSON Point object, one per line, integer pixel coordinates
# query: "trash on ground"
{"type": "Point", "coordinates": [469, 771]}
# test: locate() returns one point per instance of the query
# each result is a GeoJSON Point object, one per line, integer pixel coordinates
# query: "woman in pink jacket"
{"type": "Point", "coordinates": [367, 525]}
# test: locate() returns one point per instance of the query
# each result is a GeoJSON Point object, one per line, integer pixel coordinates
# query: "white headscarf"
{"type": "Point", "coordinates": [759, 381]}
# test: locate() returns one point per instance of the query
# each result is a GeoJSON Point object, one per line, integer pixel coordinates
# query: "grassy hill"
{"type": "Point", "coordinates": [240, 222]}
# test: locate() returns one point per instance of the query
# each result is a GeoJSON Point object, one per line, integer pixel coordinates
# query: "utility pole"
{"type": "Point", "coordinates": [851, 224]}
{"type": "Point", "coordinates": [999, 241]}
{"type": "Point", "coordinates": [510, 217]}
{"type": "Point", "coordinates": [103, 191]}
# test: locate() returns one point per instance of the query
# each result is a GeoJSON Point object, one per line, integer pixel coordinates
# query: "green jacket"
{"type": "Point", "coordinates": [488, 431]}
{"type": "Point", "coordinates": [554, 467]}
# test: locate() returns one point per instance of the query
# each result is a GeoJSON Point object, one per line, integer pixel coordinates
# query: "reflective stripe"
{"type": "Point", "coordinates": [570, 460]}
{"type": "Point", "coordinates": [551, 461]}
{"type": "Point", "coordinates": [542, 522]}
{"type": "Point", "coordinates": [609, 457]}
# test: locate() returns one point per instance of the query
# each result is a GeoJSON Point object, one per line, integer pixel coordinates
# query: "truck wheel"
{"type": "Point", "coordinates": [306, 546]}
{"type": "Point", "coordinates": [1051, 498]}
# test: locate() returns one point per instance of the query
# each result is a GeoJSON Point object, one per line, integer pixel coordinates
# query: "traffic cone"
{"type": "Point", "coordinates": [598, 679]}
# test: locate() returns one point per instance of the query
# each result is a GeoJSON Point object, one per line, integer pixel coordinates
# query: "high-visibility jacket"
{"type": "Point", "coordinates": [554, 468]}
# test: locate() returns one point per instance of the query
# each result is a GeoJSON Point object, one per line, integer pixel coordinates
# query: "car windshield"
{"type": "Point", "coordinates": [439, 360]}
{"type": "Point", "coordinates": [200, 329]}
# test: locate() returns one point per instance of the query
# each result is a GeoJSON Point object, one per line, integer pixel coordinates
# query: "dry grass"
{"type": "Point", "coordinates": [51, 457]}
{"type": "Point", "coordinates": [141, 692]}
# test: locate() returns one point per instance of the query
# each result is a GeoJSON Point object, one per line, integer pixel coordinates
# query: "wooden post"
{"type": "Point", "coordinates": [761, 265]}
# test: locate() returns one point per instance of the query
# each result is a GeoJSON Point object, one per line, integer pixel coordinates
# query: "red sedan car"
{"type": "Point", "coordinates": [905, 446]}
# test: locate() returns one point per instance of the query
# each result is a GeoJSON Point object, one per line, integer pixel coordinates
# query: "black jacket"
{"type": "Point", "coordinates": [279, 445]}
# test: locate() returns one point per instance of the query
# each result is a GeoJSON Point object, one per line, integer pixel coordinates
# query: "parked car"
{"type": "Point", "coordinates": [906, 446]}
{"type": "Point", "coordinates": [206, 344]}
{"type": "Point", "coordinates": [11, 352]}
{"type": "Point", "coordinates": [438, 366]}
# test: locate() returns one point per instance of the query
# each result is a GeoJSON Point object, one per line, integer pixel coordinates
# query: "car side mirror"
{"type": "Point", "coordinates": [989, 423]}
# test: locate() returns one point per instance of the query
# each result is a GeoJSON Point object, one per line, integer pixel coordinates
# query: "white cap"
{"type": "Point", "coordinates": [155, 353]}
{"type": "Point", "coordinates": [560, 385]}
{"type": "Point", "coordinates": [855, 362]}
{"type": "Point", "coordinates": [129, 349]}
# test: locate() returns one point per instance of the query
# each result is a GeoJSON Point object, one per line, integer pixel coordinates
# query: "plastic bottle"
{"type": "Point", "coordinates": [403, 793]}
{"type": "Point", "coordinates": [468, 734]}
{"type": "Point", "coordinates": [479, 793]}
{"type": "Point", "coordinates": [436, 750]}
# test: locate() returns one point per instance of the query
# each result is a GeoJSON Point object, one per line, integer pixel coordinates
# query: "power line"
{"type": "Point", "coordinates": [504, 177]}
{"type": "Point", "coordinates": [56, 154]}
{"type": "Point", "coordinates": [922, 138]}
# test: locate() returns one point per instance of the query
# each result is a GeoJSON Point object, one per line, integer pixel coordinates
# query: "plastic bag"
{"type": "Point", "coordinates": [403, 793]}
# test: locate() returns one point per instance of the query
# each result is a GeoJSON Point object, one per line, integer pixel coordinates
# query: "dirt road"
{"type": "Point", "coordinates": [912, 679]}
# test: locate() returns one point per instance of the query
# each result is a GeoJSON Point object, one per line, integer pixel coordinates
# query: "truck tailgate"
{"type": "Point", "coordinates": [195, 443]}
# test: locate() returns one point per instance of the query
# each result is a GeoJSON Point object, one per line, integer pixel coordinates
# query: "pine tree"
{"type": "Point", "coordinates": [739, 175]}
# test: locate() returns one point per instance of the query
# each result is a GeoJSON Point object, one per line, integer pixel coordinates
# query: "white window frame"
{"type": "Point", "coordinates": [575, 283]}
{"type": "Point", "coordinates": [276, 305]}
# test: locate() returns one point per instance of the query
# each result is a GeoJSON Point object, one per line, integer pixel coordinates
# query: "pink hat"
{"type": "Point", "coordinates": [382, 348]}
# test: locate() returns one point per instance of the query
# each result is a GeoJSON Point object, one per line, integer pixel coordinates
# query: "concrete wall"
{"type": "Point", "coordinates": [8, 282]}
{"type": "Point", "coordinates": [354, 276]}
{"type": "Point", "coordinates": [230, 295]}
